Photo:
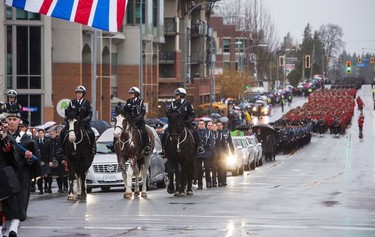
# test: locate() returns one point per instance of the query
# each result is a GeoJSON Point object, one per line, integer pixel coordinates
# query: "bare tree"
{"type": "Point", "coordinates": [253, 17]}
{"type": "Point", "coordinates": [331, 37]}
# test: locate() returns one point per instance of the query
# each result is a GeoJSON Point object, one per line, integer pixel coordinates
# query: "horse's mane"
{"type": "Point", "coordinates": [71, 112]}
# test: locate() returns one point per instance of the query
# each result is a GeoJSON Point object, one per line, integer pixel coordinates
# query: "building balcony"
{"type": "Point", "coordinates": [167, 57]}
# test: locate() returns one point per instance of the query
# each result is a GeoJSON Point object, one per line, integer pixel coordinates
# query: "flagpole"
{"type": "Point", "coordinates": [93, 85]}
{"type": "Point", "coordinates": [141, 50]}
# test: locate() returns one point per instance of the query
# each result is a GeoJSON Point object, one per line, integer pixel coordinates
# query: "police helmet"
{"type": "Point", "coordinates": [82, 89]}
{"type": "Point", "coordinates": [134, 90]}
{"type": "Point", "coordinates": [12, 93]}
{"type": "Point", "coordinates": [180, 91]}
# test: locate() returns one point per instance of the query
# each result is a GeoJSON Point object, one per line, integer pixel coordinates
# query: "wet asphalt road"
{"type": "Point", "coordinates": [326, 188]}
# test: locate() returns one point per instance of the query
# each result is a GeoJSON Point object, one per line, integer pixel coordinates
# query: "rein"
{"type": "Point", "coordinates": [178, 139]}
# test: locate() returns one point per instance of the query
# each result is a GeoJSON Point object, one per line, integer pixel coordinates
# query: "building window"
{"type": "Point", "coordinates": [155, 13]}
{"type": "Point", "coordinates": [240, 45]}
{"type": "Point", "coordinates": [226, 45]}
{"type": "Point", "coordinates": [133, 13]}
{"type": "Point", "coordinates": [28, 57]}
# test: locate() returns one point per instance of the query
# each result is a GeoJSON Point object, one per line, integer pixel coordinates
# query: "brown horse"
{"type": "Point", "coordinates": [130, 154]}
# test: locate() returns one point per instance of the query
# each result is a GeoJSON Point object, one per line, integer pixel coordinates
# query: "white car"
{"type": "Point", "coordinates": [235, 162]}
{"type": "Point", "coordinates": [247, 152]}
{"type": "Point", "coordinates": [105, 172]}
{"type": "Point", "coordinates": [258, 150]}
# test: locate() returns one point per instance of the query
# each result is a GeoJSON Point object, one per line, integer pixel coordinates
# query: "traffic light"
{"type": "Point", "coordinates": [359, 59]}
{"type": "Point", "coordinates": [307, 61]}
{"type": "Point", "coordinates": [348, 67]}
{"type": "Point", "coordinates": [281, 61]}
{"type": "Point", "coordinates": [247, 87]}
{"type": "Point", "coordinates": [372, 60]}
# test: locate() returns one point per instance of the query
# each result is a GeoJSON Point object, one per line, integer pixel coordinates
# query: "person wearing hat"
{"type": "Point", "coordinates": [136, 109]}
{"type": "Point", "coordinates": [159, 128]}
{"type": "Point", "coordinates": [15, 209]}
{"type": "Point", "coordinates": [12, 104]}
{"type": "Point", "coordinates": [85, 115]}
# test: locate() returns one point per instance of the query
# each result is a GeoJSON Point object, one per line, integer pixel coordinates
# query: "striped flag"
{"type": "Point", "coordinates": [102, 14]}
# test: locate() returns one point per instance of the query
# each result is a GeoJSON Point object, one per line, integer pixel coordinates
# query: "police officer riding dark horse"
{"type": "Point", "coordinates": [85, 115]}
{"type": "Point", "coordinates": [186, 110]}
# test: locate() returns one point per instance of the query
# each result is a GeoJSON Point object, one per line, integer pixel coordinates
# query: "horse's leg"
{"type": "Point", "coordinates": [128, 181]}
{"type": "Point", "coordinates": [178, 179]}
{"type": "Point", "coordinates": [71, 181]}
{"type": "Point", "coordinates": [145, 170]}
{"type": "Point", "coordinates": [136, 176]}
{"type": "Point", "coordinates": [124, 174]}
{"type": "Point", "coordinates": [190, 176]}
{"type": "Point", "coordinates": [79, 191]}
{"type": "Point", "coordinates": [83, 187]}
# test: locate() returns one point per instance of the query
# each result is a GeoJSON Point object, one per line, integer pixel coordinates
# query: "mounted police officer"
{"type": "Point", "coordinates": [12, 104]}
{"type": "Point", "coordinates": [185, 109]}
{"type": "Point", "coordinates": [85, 116]}
{"type": "Point", "coordinates": [136, 109]}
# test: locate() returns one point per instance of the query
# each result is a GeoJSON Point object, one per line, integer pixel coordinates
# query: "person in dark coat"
{"type": "Point", "coordinates": [57, 162]}
{"type": "Point", "coordinates": [8, 157]}
{"type": "Point", "coordinates": [45, 148]}
{"type": "Point", "coordinates": [28, 164]}
{"type": "Point", "coordinates": [207, 141]}
{"type": "Point", "coordinates": [269, 147]}
{"type": "Point", "coordinates": [12, 105]}
{"type": "Point", "coordinates": [224, 145]}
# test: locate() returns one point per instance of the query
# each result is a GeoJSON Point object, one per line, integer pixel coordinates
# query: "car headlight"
{"type": "Point", "coordinates": [231, 160]}
{"type": "Point", "coordinates": [254, 108]}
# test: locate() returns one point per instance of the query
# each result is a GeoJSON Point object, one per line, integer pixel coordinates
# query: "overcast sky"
{"type": "Point", "coordinates": [355, 17]}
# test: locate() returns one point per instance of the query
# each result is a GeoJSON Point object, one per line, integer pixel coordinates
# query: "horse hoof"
{"type": "Point", "coordinates": [189, 193]}
{"type": "Point", "coordinates": [182, 194]}
{"type": "Point", "coordinates": [144, 194]}
{"type": "Point", "coordinates": [70, 198]}
{"type": "Point", "coordinates": [127, 195]}
{"type": "Point", "coordinates": [176, 194]}
{"type": "Point", "coordinates": [171, 190]}
{"type": "Point", "coordinates": [136, 194]}
{"type": "Point", "coordinates": [78, 197]}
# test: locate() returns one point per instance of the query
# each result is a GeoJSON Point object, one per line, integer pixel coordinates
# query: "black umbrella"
{"type": "Point", "coordinates": [265, 129]}
{"type": "Point", "coordinates": [215, 116]}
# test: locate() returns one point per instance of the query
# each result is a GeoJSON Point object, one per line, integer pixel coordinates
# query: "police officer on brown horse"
{"type": "Point", "coordinates": [136, 109]}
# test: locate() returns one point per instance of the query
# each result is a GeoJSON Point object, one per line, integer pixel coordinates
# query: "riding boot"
{"type": "Point", "coordinates": [146, 142]}
{"type": "Point", "coordinates": [163, 142]}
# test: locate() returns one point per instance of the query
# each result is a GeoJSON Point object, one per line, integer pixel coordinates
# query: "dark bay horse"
{"type": "Point", "coordinates": [130, 155]}
{"type": "Point", "coordinates": [77, 149]}
{"type": "Point", "coordinates": [181, 153]}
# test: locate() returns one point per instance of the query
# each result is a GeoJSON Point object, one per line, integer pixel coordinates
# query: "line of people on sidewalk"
{"type": "Point", "coordinates": [217, 144]}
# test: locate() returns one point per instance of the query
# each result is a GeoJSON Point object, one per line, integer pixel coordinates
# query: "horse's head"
{"type": "Point", "coordinates": [122, 123]}
{"type": "Point", "coordinates": [176, 125]}
{"type": "Point", "coordinates": [72, 117]}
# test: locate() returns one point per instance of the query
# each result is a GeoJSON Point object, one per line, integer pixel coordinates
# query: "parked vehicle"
{"type": "Point", "coordinates": [258, 150]}
{"type": "Point", "coordinates": [247, 152]}
{"type": "Point", "coordinates": [105, 172]}
{"type": "Point", "coordinates": [235, 162]}
{"type": "Point", "coordinates": [100, 125]}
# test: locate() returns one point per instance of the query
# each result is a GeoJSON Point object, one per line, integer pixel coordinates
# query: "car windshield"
{"type": "Point", "coordinates": [102, 148]}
